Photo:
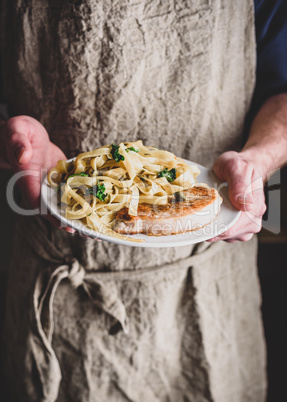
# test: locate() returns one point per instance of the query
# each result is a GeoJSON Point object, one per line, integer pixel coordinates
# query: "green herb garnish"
{"type": "Point", "coordinates": [170, 175]}
{"type": "Point", "coordinates": [99, 191]}
{"type": "Point", "coordinates": [116, 155]}
{"type": "Point", "coordinates": [132, 149]}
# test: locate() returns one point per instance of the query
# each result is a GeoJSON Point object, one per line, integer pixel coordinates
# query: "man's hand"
{"type": "Point", "coordinates": [27, 148]}
{"type": "Point", "coordinates": [265, 151]}
{"type": "Point", "coordinates": [245, 192]}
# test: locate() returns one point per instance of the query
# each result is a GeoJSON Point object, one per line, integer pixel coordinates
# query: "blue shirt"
{"type": "Point", "coordinates": [271, 38]}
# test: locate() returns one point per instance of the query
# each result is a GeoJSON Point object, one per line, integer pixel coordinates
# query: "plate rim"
{"type": "Point", "coordinates": [146, 244]}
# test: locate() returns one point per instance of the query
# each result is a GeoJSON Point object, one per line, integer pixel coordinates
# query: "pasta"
{"type": "Point", "coordinates": [99, 183]}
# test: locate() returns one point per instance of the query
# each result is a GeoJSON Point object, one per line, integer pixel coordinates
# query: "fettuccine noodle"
{"type": "Point", "coordinates": [99, 183]}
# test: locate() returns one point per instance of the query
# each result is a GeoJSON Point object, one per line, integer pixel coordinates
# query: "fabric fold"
{"type": "Point", "coordinates": [102, 295]}
{"type": "Point", "coordinates": [100, 287]}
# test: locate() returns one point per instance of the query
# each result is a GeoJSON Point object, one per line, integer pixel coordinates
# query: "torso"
{"type": "Point", "coordinates": [179, 76]}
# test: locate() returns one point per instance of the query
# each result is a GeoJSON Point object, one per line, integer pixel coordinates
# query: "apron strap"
{"type": "Point", "coordinates": [101, 290]}
{"type": "Point", "coordinates": [103, 295]}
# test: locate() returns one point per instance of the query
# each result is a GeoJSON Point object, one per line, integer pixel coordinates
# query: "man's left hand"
{"type": "Point", "coordinates": [246, 193]}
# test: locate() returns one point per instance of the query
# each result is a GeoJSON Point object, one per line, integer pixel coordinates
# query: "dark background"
{"type": "Point", "coordinates": [272, 269]}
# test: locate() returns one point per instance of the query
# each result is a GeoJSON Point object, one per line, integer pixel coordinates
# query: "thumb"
{"type": "Point", "coordinates": [18, 146]}
{"type": "Point", "coordinates": [240, 191]}
{"type": "Point", "coordinates": [238, 173]}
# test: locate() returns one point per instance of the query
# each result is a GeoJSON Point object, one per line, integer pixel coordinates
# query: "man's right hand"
{"type": "Point", "coordinates": [27, 147]}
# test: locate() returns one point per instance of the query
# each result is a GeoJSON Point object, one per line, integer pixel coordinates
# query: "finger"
{"type": "Point", "coordinates": [244, 237]}
{"type": "Point", "coordinates": [258, 193]}
{"type": "Point", "coordinates": [243, 230]}
{"type": "Point", "coordinates": [30, 182]}
{"type": "Point", "coordinates": [213, 240]}
{"type": "Point", "coordinates": [19, 149]}
{"type": "Point", "coordinates": [239, 175]}
{"type": "Point", "coordinates": [229, 233]}
{"type": "Point", "coordinates": [17, 140]}
{"type": "Point", "coordinates": [66, 229]}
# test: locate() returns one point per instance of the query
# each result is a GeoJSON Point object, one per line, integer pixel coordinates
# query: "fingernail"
{"type": "Point", "coordinates": [244, 200]}
{"type": "Point", "coordinates": [70, 230]}
{"type": "Point", "coordinates": [19, 153]}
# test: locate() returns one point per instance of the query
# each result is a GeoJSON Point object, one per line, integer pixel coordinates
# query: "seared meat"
{"type": "Point", "coordinates": [192, 210]}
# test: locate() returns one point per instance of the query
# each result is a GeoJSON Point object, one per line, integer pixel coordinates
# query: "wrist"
{"type": "Point", "coordinates": [266, 147]}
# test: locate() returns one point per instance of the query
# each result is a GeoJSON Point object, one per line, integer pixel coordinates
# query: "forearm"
{"type": "Point", "coordinates": [267, 143]}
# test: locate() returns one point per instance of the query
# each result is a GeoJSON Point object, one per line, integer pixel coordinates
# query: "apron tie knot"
{"type": "Point", "coordinates": [103, 293]}
{"type": "Point", "coordinates": [76, 273]}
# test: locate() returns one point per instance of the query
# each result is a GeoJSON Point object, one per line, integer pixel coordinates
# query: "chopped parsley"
{"type": "Point", "coordinates": [170, 175]}
{"type": "Point", "coordinates": [116, 155]}
{"type": "Point", "coordinates": [132, 149]}
{"type": "Point", "coordinates": [99, 191]}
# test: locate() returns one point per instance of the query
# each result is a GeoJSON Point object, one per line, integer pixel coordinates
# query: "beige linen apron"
{"type": "Point", "coordinates": [97, 322]}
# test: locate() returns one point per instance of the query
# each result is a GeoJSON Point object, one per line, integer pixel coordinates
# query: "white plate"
{"type": "Point", "coordinates": [225, 219]}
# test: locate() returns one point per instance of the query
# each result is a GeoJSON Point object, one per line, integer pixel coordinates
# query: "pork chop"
{"type": "Point", "coordinates": [188, 210]}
